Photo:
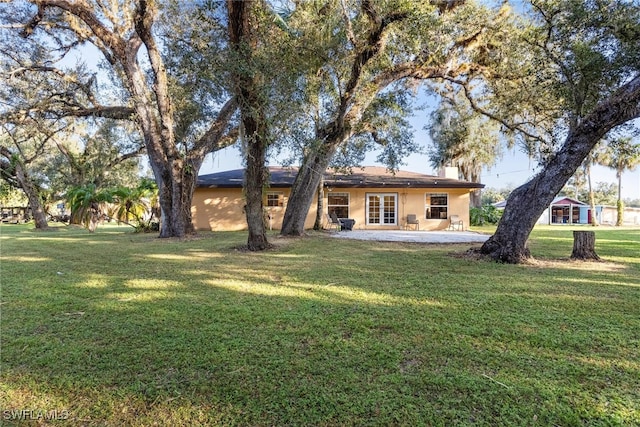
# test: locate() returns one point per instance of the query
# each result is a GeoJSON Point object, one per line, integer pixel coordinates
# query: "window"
{"type": "Point", "coordinates": [275, 199]}
{"type": "Point", "coordinates": [338, 203]}
{"type": "Point", "coordinates": [382, 209]}
{"type": "Point", "coordinates": [436, 205]}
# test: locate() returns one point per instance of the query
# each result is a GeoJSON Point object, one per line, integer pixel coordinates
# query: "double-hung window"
{"type": "Point", "coordinates": [275, 199]}
{"type": "Point", "coordinates": [436, 205]}
{"type": "Point", "coordinates": [338, 203]}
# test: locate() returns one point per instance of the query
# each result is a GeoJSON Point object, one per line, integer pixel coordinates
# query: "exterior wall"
{"type": "Point", "coordinates": [409, 201]}
{"type": "Point", "coordinates": [565, 214]}
{"type": "Point", "coordinates": [218, 209]}
{"type": "Point", "coordinates": [609, 215]}
{"type": "Point", "coordinates": [221, 209]}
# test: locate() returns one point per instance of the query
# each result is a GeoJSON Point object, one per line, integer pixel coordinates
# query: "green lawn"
{"type": "Point", "coordinates": [115, 328]}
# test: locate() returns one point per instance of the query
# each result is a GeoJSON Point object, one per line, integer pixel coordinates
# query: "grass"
{"type": "Point", "coordinates": [115, 328]}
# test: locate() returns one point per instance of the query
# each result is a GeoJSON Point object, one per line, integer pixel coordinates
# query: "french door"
{"type": "Point", "coordinates": [382, 209]}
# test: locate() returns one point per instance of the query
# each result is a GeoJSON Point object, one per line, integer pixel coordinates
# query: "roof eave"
{"type": "Point", "coordinates": [398, 186]}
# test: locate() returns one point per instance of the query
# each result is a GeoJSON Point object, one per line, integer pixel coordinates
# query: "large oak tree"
{"type": "Point", "coordinates": [373, 48]}
{"type": "Point", "coordinates": [589, 54]}
{"type": "Point", "coordinates": [126, 34]}
{"type": "Point", "coordinates": [22, 154]}
{"type": "Point", "coordinates": [264, 67]}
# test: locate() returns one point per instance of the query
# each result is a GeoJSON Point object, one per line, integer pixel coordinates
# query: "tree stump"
{"type": "Point", "coordinates": [584, 243]}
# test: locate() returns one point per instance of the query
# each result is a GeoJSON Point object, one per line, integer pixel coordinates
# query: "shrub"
{"type": "Point", "coordinates": [487, 214]}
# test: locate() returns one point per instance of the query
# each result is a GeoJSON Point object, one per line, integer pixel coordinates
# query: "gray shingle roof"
{"type": "Point", "coordinates": [367, 177]}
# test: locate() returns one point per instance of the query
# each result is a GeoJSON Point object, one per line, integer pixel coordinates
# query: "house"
{"type": "Point", "coordinates": [372, 196]}
{"type": "Point", "coordinates": [565, 210]}
{"type": "Point", "coordinates": [15, 214]}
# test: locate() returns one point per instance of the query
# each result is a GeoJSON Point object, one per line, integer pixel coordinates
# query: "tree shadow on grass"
{"type": "Point", "coordinates": [193, 332]}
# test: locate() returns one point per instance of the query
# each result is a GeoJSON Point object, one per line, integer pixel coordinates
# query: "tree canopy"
{"type": "Point", "coordinates": [592, 73]}
{"type": "Point", "coordinates": [127, 35]}
{"type": "Point", "coordinates": [332, 78]}
{"type": "Point", "coordinates": [370, 50]}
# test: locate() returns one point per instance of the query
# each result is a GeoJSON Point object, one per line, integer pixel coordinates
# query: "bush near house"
{"type": "Point", "coordinates": [487, 214]}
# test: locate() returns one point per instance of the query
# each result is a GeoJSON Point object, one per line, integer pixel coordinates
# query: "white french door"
{"type": "Point", "coordinates": [382, 209]}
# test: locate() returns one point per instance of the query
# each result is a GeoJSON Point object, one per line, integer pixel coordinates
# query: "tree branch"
{"type": "Point", "coordinates": [84, 12]}
{"type": "Point", "coordinates": [349, 29]}
{"type": "Point", "coordinates": [4, 151]}
{"type": "Point", "coordinates": [143, 20]}
{"type": "Point", "coordinates": [446, 5]}
{"type": "Point", "coordinates": [30, 27]}
{"type": "Point", "coordinates": [375, 44]}
{"type": "Point", "coordinates": [474, 105]}
{"type": "Point", "coordinates": [212, 138]}
{"type": "Point", "coordinates": [126, 156]}
{"type": "Point", "coordinates": [7, 172]}
{"type": "Point", "coordinates": [113, 112]}
{"type": "Point", "coordinates": [107, 112]}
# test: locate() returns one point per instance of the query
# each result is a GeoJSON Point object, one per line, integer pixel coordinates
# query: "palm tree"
{"type": "Point", "coordinates": [88, 204]}
{"type": "Point", "coordinates": [620, 154]}
{"type": "Point", "coordinates": [131, 206]}
{"type": "Point", "coordinates": [135, 204]}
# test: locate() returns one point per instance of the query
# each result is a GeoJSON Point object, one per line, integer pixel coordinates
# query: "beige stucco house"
{"type": "Point", "coordinates": [372, 196]}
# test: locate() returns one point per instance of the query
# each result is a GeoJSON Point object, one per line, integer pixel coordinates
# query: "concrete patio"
{"type": "Point", "coordinates": [414, 236]}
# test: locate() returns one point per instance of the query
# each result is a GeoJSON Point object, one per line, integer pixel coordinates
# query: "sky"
{"type": "Point", "coordinates": [513, 170]}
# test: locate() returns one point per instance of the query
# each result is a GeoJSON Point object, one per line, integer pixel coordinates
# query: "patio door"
{"type": "Point", "coordinates": [382, 209]}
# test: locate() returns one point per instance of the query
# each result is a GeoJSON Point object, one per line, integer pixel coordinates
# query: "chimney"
{"type": "Point", "coordinates": [448, 172]}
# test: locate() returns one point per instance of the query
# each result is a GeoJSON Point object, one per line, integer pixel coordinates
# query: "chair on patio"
{"type": "Point", "coordinates": [412, 219]}
{"type": "Point", "coordinates": [455, 223]}
{"type": "Point", "coordinates": [333, 221]}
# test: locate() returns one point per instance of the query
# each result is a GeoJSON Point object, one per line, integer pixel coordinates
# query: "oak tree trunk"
{"type": "Point", "coordinates": [248, 90]}
{"type": "Point", "coordinates": [475, 199]}
{"type": "Point", "coordinates": [584, 243]}
{"type": "Point", "coordinates": [256, 177]}
{"type": "Point", "coordinates": [303, 189]}
{"type": "Point", "coordinates": [175, 193]}
{"type": "Point", "coordinates": [39, 216]}
{"type": "Point", "coordinates": [317, 225]}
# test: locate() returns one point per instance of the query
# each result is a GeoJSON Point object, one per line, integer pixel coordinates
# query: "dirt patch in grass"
{"type": "Point", "coordinates": [471, 254]}
{"type": "Point", "coordinates": [474, 254]}
{"type": "Point", "coordinates": [576, 264]}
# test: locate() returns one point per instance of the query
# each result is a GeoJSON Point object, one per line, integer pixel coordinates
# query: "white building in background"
{"type": "Point", "coordinates": [609, 215]}
{"type": "Point", "coordinates": [565, 210]}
